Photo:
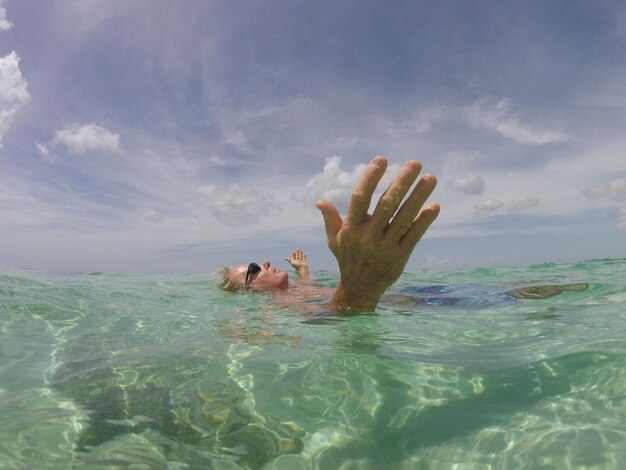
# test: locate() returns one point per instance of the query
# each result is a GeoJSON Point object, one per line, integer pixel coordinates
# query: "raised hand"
{"type": "Point", "coordinates": [299, 262]}
{"type": "Point", "coordinates": [373, 249]}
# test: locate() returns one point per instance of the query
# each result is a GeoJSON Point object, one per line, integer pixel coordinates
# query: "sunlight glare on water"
{"type": "Point", "coordinates": [170, 372]}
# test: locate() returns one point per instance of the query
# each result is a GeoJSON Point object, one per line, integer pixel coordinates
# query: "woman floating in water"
{"type": "Point", "coordinates": [371, 249]}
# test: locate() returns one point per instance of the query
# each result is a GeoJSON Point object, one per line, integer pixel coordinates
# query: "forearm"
{"type": "Point", "coordinates": [303, 273]}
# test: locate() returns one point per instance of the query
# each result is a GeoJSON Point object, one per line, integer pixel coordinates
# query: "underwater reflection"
{"type": "Point", "coordinates": [188, 409]}
{"type": "Point", "coordinates": [252, 387]}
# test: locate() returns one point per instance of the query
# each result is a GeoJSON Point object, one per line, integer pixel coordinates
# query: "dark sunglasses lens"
{"type": "Point", "coordinates": [253, 268]}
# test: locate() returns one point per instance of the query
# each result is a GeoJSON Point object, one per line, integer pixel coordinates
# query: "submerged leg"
{"type": "Point", "coordinates": [545, 291]}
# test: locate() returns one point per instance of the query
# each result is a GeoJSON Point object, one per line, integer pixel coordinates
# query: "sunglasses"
{"type": "Point", "coordinates": [253, 269]}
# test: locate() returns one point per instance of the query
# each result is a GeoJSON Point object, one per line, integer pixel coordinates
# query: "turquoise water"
{"type": "Point", "coordinates": [137, 371]}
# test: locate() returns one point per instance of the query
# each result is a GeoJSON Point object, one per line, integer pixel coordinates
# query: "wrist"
{"type": "Point", "coordinates": [302, 272]}
{"type": "Point", "coordinates": [355, 300]}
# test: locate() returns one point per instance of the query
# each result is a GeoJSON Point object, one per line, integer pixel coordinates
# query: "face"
{"type": "Point", "coordinates": [264, 279]}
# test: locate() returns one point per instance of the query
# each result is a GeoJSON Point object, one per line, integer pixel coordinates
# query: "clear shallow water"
{"type": "Point", "coordinates": [134, 371]}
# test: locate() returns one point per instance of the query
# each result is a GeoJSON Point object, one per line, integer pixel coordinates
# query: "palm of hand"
{"type": "Point", "coordinates": [298, 259]}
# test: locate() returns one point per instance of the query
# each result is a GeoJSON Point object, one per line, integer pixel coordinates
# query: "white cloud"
{"type": "Point", "coordinates": [86, 138]}
{"type": "Point", "coordinates": [214, 160]}
{"type": "Point", "coordinates": [5, 24]}
{"type": "Point", "coordinates": [332, 183]}
{"type": "Point", "coordinates": [469, 184]}
{"type": "Point", "coordinates": [236, 206]}
{"type": "Point", "coordinates": [45, 153]}
{"type": "Point", "coordinates": [522, 205]}
{"type": "Point", "coordinates": [336, 185]}
{"type": "Point", "coordinates": [617, 190]}
{"type": "Point", "coordinates": [487, 206]}
{"type": "Point", "coordinates": [500, 118]}
{"type": "Point", "coordinates": [235, 138]}
{"type": "Point", "coordinates": [13, 90]}
{"type": "Point", "coordinates": [593, 193]}
{"type": "Point", "coordinates": [614, 190]}
{"type": "Point", "coordinates": [151, 215]}
{"type": "Point", "coordinates": [621, 219]}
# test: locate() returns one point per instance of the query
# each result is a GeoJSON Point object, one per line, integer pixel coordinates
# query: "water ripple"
{"type": "Point", "coordinates": [135, 371]}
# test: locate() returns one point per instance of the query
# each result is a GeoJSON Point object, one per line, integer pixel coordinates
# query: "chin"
{"type": "Point", "coordinates": [285, 281]}
{"type": "Point", "coordinates": [279, 281]}
{"type": "Point", "coordinates": [282, 280]}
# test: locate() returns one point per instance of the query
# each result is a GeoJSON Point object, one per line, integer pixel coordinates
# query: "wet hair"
{"type": "Point", "coordinates": [226, 283]}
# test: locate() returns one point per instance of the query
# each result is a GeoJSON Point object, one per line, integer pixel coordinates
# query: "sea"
{"type": "Point", "coordinates": [136, 371]}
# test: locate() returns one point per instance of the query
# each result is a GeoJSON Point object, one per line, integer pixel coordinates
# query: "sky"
{"type": "Point", "coordinates": [162, 136]}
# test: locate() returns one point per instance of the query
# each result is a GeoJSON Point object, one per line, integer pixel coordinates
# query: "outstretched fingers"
{"type": "Point", "coordinates": [332, 219]}
{"type": "Point", "coordinates": [297, 258]}
{"type": "Point", "coordinates": [392, 197]}
{"type": "Point", "coordinates": [363, 191]}
{"type": "Point", "coordinates": [419, 226]}
{"type": "Point", "coordinates": [411, 207]}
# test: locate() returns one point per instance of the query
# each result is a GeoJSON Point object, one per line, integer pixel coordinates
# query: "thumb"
{"type": "Point", "coordinates": [332, 219]}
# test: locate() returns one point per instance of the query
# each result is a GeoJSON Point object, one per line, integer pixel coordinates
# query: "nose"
{"type": "Point", "coordinates": [265, 264]}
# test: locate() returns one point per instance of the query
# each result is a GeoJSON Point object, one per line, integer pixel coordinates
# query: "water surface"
{"type": "Point", "coordinates": [137, 371]}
